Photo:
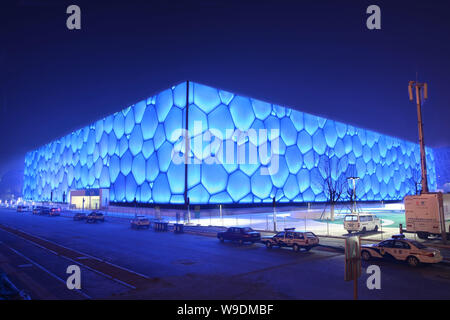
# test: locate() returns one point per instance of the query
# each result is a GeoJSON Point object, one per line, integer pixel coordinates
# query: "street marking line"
{"type": "Point", "coordinates": [77, 262]}
{"type": "Point", "coordinates": [84, 255]}
{"type": "Point", "coordinates": [25, 265]}
{"type": "Point", "coordinates": [95, 263]}
{"type": "Point", "coordinates": [46, 270]}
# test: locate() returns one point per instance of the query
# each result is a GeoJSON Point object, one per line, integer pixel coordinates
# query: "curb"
{"type": "Point", "coordinates": [340, 249]}
{"type": "Point", "coordinates": [343, 238]}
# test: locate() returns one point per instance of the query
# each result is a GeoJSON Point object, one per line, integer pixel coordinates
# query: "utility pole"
{"type": "Point", "coordinates": [186, 148]}
{"type": "Point", "coordinates": [423, 160]}
{"type": "Point", "coordinates": [274, 214]}
{"type": "Point", "coordinates": [186, 156]}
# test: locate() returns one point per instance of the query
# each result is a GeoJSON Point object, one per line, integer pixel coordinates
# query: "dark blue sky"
{"type": "Point", "coordinates": [316, 56]}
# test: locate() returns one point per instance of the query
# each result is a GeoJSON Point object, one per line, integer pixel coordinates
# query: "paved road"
{"type": "Point", "coordinates": [187, 266]}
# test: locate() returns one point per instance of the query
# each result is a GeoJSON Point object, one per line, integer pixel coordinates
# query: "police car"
{"type": "Point", "coordinates": [400, 248]}
{"type": "Point", "coordinates": [291, 238]}
{"type": "Point", "coordinates": [140, 222]}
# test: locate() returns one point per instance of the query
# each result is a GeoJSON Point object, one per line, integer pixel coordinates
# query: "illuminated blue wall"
{"type": "Point", "coordinates": [130, 153]}
{"type": "Point", "coordinates": [442, 159]}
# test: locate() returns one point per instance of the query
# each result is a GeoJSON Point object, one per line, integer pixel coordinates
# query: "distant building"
{"type": "Point", "coordinates": [132, 153]}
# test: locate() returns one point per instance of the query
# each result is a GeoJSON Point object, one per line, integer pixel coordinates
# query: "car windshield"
{"type": "Point", "coordinates": [247, 229]}
{"type": "Point", "coordinates": [310, 235]}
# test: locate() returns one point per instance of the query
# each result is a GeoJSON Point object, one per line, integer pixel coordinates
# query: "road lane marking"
{"type": "Point", "coordinates": [45, 270]}
{"type": "Point", "coordinates": [73, 255]}
{"type": "Point", "coordinates": [77, 262]}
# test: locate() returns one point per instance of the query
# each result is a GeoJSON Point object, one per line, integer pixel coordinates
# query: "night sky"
{"type": "Point", "coordinates": [315, 56]}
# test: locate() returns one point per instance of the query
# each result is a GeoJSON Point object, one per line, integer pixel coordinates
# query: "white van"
{"type": "Point", "coordinates": [366, 222]}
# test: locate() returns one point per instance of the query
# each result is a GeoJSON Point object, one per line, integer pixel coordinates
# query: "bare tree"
{"type": "Point", "coordinates": [416, 180]}
{"type": "Point", "coordinates": [334, 180]}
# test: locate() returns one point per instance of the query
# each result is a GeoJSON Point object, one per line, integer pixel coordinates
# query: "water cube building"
{"type": "Point", "coordinates": [132, 154]}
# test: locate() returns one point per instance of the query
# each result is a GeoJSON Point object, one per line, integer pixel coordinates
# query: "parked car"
{"type": "Point", "coordinates": [37, 210]}
{"type": "Point", "coordinates": [55, 211]}
{"type": "Point", "coordinates": [22, 208]}
{"type": "Point", "coordinates": [361, 222]}
{"type": "Point", "coordinates": [95, 216]}
{"type": "Point", "coordinates": [140, 222]}
{"type": "Point", "coordinates": [402, 249]}
{"type": "Point", "coordinates": [40, 210]}
{"type": "Point", "coordinates": [290, 238]}
{"type": "Point", "coordinates": [45, 211]}
{"type": "Point", "coordinates": [79, 216]}
{"type": "Point", "coordinates": [239, 234]}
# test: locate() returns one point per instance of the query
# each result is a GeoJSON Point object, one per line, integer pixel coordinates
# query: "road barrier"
{"type": "Point", "coordinates": [161, 226]}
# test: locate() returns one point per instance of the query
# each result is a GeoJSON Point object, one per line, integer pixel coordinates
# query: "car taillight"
{"type": "Point", "coordinates": [431, 255]}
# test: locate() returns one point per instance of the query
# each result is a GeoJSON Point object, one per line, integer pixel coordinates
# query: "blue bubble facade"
{"type": "Point", "coordinates": [442, 159]}
{"type": "Point", "coordinates": [130, 152]}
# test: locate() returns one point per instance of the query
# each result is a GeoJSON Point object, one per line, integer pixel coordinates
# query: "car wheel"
{"type": "Point", "coordinates": [221, 239]}
{"type": "Point", "coordinates": [365, 255]}
{"type": "Point", "coordinates": [376, 229]}
{"type": "Point", "coordinates": [268, 245]}
{"type": "Point", "coordinates": [413, 261]}
{"type": "Point", "coordinates": [307, 248]}
{"type": "Point", "coordinates": [349, 231]}
{"type": "Point", "coordinates": [295, 247]}
{"type": "Point", "coordinates": [364, 230]}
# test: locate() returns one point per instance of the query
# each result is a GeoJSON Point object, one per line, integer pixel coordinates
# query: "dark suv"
{"type": "Point", "coordinates": [39, 210]}
{"type": "Point", "coordinates": [240, 234]}
{"type": "Point", "coordinates": [95, 216]}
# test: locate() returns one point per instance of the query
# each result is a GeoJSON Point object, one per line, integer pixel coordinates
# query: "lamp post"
{"type": "Point", "coordinates": [274, 215]}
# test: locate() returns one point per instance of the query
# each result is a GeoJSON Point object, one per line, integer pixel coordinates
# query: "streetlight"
{"type": "Point", "coordinates": [274, 214]}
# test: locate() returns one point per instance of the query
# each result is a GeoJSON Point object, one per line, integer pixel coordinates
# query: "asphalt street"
{"type": "Point", "coordinates": [187, 266]}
